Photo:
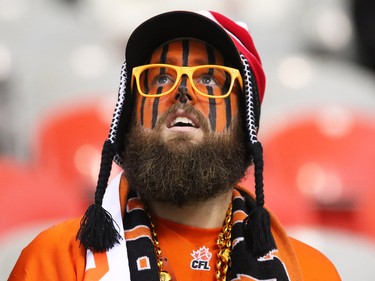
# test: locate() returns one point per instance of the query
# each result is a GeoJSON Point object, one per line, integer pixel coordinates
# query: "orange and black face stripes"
{"type": "Point", "coordinates": [212, 102]}
{"type": "Point", "coordinates": [211, 58]}
{"type": "Point", "coordinates": [155, 100]}
{"type": "Point", "coordinates": [187, 52]}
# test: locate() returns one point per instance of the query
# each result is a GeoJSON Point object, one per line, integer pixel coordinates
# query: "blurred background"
{"type": "Point", "coordinates": [59, 72]}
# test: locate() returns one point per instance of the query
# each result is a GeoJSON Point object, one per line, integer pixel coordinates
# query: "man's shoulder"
{"type": "Point", "coordinates": [314, 264]}
{"type": "Point", "coordinates": [56, 239]}
{"type": "Point", "coordinates": [61, 233]}
{"type": "Point", "coordinates": [55, 252]}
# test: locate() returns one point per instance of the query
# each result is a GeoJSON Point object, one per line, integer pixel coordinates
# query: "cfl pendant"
{"type": "Point", "coordinates": [165, 276]}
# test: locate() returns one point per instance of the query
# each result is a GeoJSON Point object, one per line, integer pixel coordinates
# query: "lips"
{"type": "Point", "coordinates": [182, 122]}
{"type": "Point", "coordinates": [181, 119]}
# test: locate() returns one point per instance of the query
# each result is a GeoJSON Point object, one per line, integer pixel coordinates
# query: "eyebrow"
{"type": "Point", "coordinates": [172, 61]}
{"type": "Point", "coordinates": [199, 61]}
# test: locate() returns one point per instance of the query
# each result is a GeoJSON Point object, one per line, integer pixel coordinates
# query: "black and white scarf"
{"type": "Point", "coordinates": [134, 258]}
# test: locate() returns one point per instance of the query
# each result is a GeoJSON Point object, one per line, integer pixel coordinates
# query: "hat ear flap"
{"type": "Point", "coordinates": [98, 231]}
{"type": "Point", "coordinates": [121, 113]}
{"type": "Point", "coordinates": [257, 226]}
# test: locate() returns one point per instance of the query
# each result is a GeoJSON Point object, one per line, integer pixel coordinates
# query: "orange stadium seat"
{"type": "Point", "coordinates": [29, 196]}
{"type": "Point", "coordinates": [319, 170]}
{"type": "Point", "coordinates": [70, 140]}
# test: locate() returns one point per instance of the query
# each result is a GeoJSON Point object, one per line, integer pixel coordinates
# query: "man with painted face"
{"type": "Point", "coordinates": [185, 132]}
{"type": "Point", "coordinates": [184, 145]}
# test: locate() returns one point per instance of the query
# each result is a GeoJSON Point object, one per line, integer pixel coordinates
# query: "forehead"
{"type": "Point", "coordinates": [187, 52]}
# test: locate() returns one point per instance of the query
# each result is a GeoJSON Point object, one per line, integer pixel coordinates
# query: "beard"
{"type": "Point", "coordinates": [181, 172]}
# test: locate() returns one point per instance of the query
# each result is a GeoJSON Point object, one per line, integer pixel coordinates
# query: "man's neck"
{"type": "Point", "coordinates": [207, 214]}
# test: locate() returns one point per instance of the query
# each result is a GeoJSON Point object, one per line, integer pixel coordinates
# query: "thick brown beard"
{"type": "Point", "coordinates": [185, 174]}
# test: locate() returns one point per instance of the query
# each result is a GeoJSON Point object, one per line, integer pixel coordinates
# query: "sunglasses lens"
{"type": "Point", "coordinates": [212, 81]}
{"type": "Point", "coordinates": [157, 80]}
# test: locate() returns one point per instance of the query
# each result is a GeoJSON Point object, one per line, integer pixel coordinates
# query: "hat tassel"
{"type": "Point", "coordinates": [97, 231]}
{"type": "Point", "coordinates": [258, 226]}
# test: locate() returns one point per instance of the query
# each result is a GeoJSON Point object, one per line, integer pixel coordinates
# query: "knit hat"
{"type": "Point", "coordinates": [98, 231]}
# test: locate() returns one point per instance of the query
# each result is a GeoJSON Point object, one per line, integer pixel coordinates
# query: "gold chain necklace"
{"type": "Point", "coordinates": [223, 242]}
{"type": "Point", "coordinates": [163, 274]}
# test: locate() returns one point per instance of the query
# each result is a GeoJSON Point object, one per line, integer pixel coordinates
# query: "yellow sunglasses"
{"type": "Point", "coordinates": [211, 81]}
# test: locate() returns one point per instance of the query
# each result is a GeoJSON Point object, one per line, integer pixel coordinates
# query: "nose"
{"type": "Point", "coordinates": [184, 93]}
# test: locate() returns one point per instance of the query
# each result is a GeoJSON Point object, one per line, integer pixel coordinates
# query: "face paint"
{"type": "Point", "coordinates": [218, 112]}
